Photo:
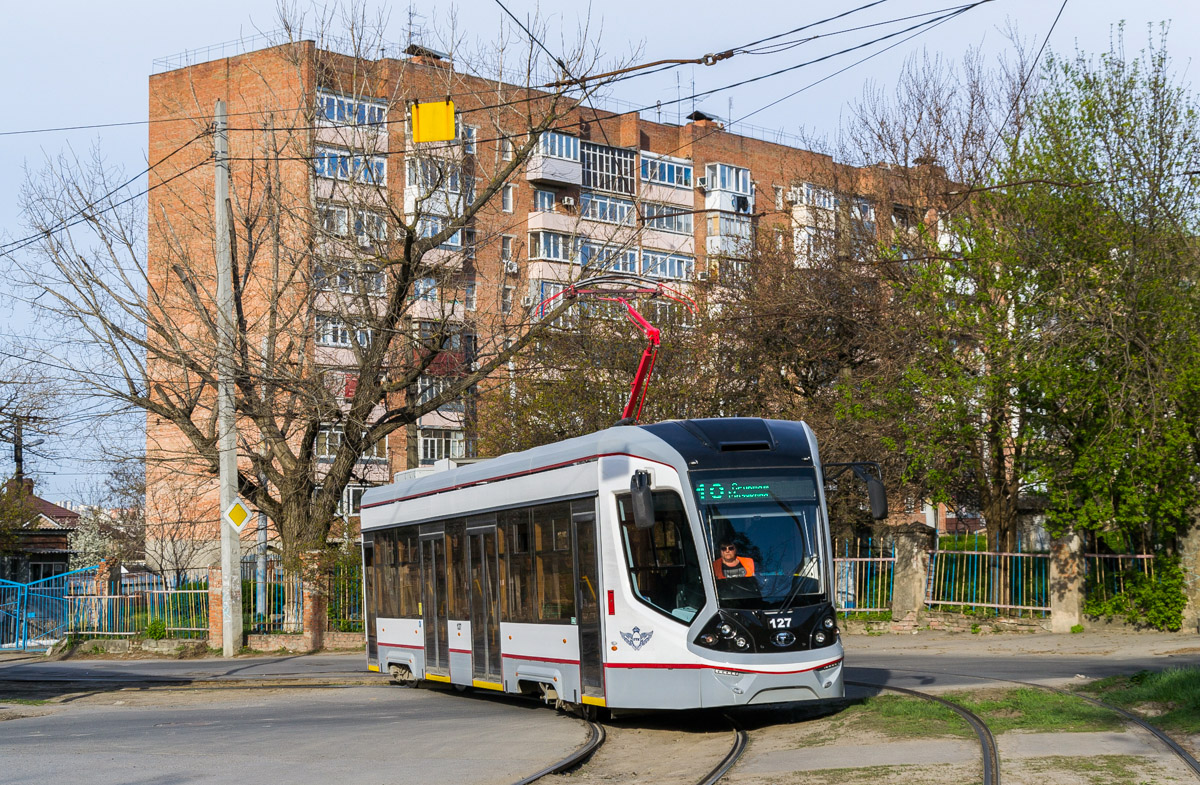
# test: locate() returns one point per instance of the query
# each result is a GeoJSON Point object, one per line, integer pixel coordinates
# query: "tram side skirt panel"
{"type": "Point", "coordinates": [459, 636]}
{"type": "Point", "coordinates": [401, 642]}
{"type": "Point", "coordinates": [544, 653]}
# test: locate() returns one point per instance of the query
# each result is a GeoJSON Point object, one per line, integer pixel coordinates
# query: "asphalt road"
{"type": "Point", "coordinates": [283, 736]}
{"type": "Point", "coordinates": [325, 718]}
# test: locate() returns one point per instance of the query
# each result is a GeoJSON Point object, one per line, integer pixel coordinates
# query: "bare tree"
{"type": "Point", "coordinates": [367, 289]}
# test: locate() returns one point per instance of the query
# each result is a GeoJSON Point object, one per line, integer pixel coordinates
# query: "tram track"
{"type": "Point", "coordinates": [987, 741]}
{"type": "Point", "coordinates": [1188, 759]}
{"type": "Point", "coordinates": [598, 736]}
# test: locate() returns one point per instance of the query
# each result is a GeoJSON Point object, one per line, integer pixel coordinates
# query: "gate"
{"type": "Point", "coordinates": [35, 616]}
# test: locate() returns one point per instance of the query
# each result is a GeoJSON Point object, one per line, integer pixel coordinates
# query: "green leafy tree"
{"type": "Point", "coordinates": [1103, 224]}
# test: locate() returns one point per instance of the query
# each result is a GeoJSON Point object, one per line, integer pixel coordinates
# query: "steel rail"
{"type": "Point", "coordinates": [1157, 732]}
{"type": "Point", "coordinates": [740, 740]}
{"type": "Point", "coordinates": [595, 739]}
{"type": "Point", "coordinates": [987, 742]}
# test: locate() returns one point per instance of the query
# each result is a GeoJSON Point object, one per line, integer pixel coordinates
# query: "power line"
{"type": "Point", "coordinates": [17, 245]}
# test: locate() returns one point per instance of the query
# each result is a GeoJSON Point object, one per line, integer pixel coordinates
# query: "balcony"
{"type": "Point", "coordinates": [552, 170]}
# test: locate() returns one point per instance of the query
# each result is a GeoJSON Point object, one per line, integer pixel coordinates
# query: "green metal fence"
{"type": "Point", "coordinates": [344, 590]}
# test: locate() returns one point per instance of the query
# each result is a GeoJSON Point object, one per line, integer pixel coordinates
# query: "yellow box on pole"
{"type": "Point", "coordinates": [433, 122]}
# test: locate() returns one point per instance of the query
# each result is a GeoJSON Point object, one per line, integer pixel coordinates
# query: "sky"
{"type": "Point", "coordinates": [73, 63]}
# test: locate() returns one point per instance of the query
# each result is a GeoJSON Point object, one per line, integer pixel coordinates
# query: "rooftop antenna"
{"type": "Point", "coordinates": [678, 101]}
{"type": "Point", "coordinates": [414, 32]}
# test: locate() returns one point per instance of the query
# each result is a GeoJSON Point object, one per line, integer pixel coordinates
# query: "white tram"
{"type": "Point", "coordinates": [590, 571]}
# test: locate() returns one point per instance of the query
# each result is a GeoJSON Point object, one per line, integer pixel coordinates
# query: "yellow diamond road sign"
{"type": "Point", "coordinates": [237, 514]}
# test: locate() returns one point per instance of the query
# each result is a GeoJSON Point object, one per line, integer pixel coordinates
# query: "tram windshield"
{"type": "Point", "coordinates": [764, 529]}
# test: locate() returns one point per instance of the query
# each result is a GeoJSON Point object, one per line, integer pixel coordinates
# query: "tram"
{"type": "Point", "coordinates": [675, 565]}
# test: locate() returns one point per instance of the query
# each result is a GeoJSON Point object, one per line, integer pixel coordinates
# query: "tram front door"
{"type": "Point", "coordinates": [587, 601]}
{"type": "Point", "coordinates": [485, 601]}
{"type": "Point", "coordinates": [433, 603]}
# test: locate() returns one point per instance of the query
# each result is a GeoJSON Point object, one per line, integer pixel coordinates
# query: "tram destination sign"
{"type": "Point", "coordinates": [752, 486]}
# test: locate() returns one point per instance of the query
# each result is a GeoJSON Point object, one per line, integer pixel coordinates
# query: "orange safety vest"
{"type": "Point", "coordinates": [746, 561]}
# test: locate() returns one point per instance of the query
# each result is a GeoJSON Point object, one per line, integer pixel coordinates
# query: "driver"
{"type": "Point", "coordinates": [730, 565]}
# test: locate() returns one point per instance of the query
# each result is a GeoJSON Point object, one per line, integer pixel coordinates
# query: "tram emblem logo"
{"type": "Point", "coordinates": [637, 639]}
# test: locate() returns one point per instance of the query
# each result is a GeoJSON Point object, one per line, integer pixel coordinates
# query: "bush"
{"type": "Point", "coordinates": [156, 630]}
{"type": "Point", "coordinates": [1154, 601]}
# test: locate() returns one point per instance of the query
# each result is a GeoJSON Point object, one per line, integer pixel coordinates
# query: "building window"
{"type": "Point", "coordinates": [342, 165]}
{"type": "Point", "coordinates": [506, 247]}
{"type": "Point", "coordinates": [506, 299]}
{"type": "Point", "coordinates": [506, 149]}
{"type": "Point", "coordinates": [664, 265]}
{"type": "Point", "coordinates": [665, 171]}
{"type": "Point", "coordinates": [332, 219]}
{"type": "Point", "coordinates": [508, 195]}
{"type": "Point", "coordinates": [431, 175]}
{"type": "Point", "coordinates": [607, 168]}
{"type": "Point", "coordinates": [342, 110]}
{"type": "Point", "coordinates": [469, 295]}
{"type": "Point", "coordinates": [330, 439]}
{"type": "Point", "coordinates": [667, 218]}
{"type": "Point", "coordinates": [349, 278]}
{"type": "Point", "coordinates": [778, 197]}
{"type": "Point", "coordinates": [551, 245]}
{"type": "Point", "coordinates": [439, 443]}
{"type": "Point", "coordinates": [723, 177]}
{"type": "Point", "coordinates": [607, 257]}
{"type": "Point", "coordinates": [465, 134]}
{"type": "Point", "coordinates": [729, 225]}
{"type": "Point", "coordinates": [334, 331]}
{"type": "Point", "coordinates": [369, 227]}
{"type": "Point", "coordinates": [425, 289]}
{"type": "Point", "coordinates": [816, 196]}
{"type": "Point", "coordinates": [430, 387]}
{"type": "Point", "coordinates": [543, 201]}
{"type": "Point", "coordinates": [609, 209]}
{"type": "Point", "coordinates": [556, 145]}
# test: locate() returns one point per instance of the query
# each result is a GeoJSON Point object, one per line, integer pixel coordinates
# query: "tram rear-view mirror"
{"type": "Point", "coordinates": [642, 500]}
{"type": "Point", "coordinates": [878, 496]}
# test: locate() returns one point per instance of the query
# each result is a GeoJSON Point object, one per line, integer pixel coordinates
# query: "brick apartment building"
{"type": "Point", "coordinates": [326, 136]}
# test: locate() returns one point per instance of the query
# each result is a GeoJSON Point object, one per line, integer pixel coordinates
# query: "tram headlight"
{"type": "Point", "coordinates": [827, 623]}
{"type": "Point", "coordinates": [741, 643]}
{"type": "Point", "coordinates": [819, 638]}
{"type": "Point", "coordinates": [725, 629]}
{"type": "Point", "coordinates": [708, 639]}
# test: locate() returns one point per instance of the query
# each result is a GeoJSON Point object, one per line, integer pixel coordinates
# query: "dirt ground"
{"type": "Point", "coordinates": [1100, 640]}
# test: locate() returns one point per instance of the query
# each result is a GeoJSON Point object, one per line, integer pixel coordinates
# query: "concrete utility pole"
{"type": "Point", "coordinates": [231, 546]}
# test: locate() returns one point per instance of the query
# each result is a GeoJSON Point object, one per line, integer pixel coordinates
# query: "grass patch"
{"type": "Point", "coordinates": [895, 716]}
{"type": "Point", "coordinates": [1098, 770]}
{"type": "Point", "coordinates": [1035, 710]}
{"type": "Point", "coordinates": [23, 702]}
{"type": "Point", "coordinates": [1169, 698]}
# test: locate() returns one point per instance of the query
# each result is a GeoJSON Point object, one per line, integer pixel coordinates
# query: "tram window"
{"type": "Point", "coordinates": [408, 577]}
{"type": "Point", "coordinates": [456, 554]}
{"type": "Point", "coordinates": [662, 561]}
{"type": "Point", "coordinates": [555, 571]}
{"type": "Point", "coordinates": [520, 565]}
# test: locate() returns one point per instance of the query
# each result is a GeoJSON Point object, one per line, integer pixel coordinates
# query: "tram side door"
{"type": "Point", "coordinates": [433, 606]}
{"type": "Point", "coordinates": [587, 601]}
{"type": "Point", "coordinates": [485, 602]}
{"type": "Point", "coordinates": [370, 597]}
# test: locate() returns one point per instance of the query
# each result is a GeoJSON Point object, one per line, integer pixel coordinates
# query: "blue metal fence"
{"type": "Point", "coordinates": [34, 616]}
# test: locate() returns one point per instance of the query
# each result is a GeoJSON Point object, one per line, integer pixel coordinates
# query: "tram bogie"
{"type": "Point", "coordinates": [671, 566]}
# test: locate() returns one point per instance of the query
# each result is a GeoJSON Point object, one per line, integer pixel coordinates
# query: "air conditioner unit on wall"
{"type": "Point", "coordinates": [701, 183]}
{"type": "Point", "coordinates": [568, 201]}
{"type": "Point", "coordinates": [527, 301]}
{"type": "Point", "coordinates": [702, 275]}
{"type": "Point", "coordinates": [511, 267]}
